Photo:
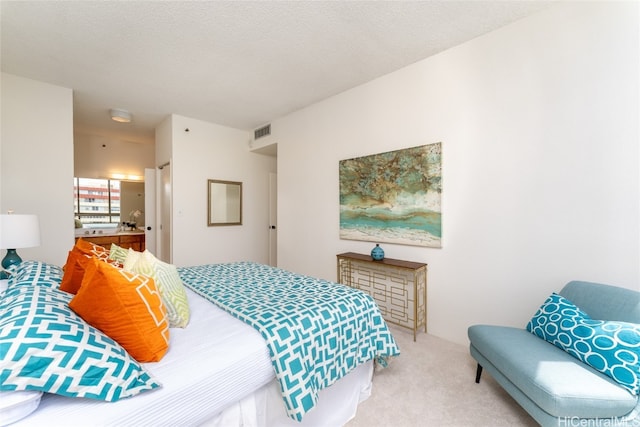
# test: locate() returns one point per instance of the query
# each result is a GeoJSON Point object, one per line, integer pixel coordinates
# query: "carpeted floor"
{"type": "Point", "coordinates": [432, 383]}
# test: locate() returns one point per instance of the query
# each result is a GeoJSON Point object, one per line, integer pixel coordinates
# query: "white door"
{"type": "Point", "coordinates": [165, 214]}
{"type": "Point", "coordinates": [150, 177]}
{"type": "Point", "coordinates": [273, 219]}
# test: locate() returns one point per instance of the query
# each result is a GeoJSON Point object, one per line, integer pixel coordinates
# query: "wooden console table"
{"type": "Point", "coordinates": [398, 287]}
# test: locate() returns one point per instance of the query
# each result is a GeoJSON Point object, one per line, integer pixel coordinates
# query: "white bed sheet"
{"type": "Point", "coordinates": [265, 408]}
{"type": "Point", "coordinates": [214, 362]}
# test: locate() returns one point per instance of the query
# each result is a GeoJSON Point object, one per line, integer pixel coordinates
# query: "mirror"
{"type": "Point", "coordinates": [225, 203]}
{"type": "Point", "coordinates": [107, 203]}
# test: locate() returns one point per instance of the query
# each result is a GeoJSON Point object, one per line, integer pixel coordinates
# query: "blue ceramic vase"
{"type": "Point", "coordinates": [377, 253]}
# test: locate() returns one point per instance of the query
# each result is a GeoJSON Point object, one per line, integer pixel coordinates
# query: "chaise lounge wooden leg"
{"type": "Point", "coordinates": [478, 373]}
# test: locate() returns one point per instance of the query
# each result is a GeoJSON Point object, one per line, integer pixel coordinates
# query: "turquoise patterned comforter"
{"type": "Point", "coordinates": [317, 331]}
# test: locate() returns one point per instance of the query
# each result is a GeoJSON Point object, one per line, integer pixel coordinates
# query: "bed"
{"type": "Point", "coordinates": [232, 364]}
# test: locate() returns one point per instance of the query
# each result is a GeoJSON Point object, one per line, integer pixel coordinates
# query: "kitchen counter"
{"type": "Point", "coordinates": [95, 233]}
{"type": "Point", "coordinates": [133, 239]}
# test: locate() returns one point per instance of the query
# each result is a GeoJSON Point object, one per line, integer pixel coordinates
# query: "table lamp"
{"type": "Point", "coordinates": [17, 231]}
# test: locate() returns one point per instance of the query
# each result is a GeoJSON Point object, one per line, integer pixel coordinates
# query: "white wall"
{"type": "Point", "coordinates": [98, 156]}
{"type": "Point", "coordinates": [539, 125]}
{"type": "Point", "coordinates": [36, 170]}
{"type": "Point", "coordinates": [163, 133]}
{"type": "Point", "coordinates": [209, 151]}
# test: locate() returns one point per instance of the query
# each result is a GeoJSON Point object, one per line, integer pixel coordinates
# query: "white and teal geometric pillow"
{"type": "Point", "coordinates": [172, 291]}
{"type": "Point", "coordinates": [37, 273]}
{"type": "Point", "coordinates": [610, 347]}
{"type": "Point", "coordinates": [45, 346]}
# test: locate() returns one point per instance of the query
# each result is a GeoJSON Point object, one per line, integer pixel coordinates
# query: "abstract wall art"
{"type": "Point", "coordinates": [393, 197]}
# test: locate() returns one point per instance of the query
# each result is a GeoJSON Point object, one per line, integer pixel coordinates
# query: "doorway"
{"type": "Point", "coordinates": [273, 219]}
{"type": "Point", "coordinates": [150, 232]}
{"type": "Point", "coordinates": [164, 240]}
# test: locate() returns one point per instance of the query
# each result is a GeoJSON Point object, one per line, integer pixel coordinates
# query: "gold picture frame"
{"type": "Point", "coordinates": [224, 205]}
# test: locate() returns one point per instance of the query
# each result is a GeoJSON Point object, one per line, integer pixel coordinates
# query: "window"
{"type": "Point", "coordinates": [97, 202]}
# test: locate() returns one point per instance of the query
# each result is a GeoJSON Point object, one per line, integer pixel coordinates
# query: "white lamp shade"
{"type": "Point", "coordinates": [19, 231]}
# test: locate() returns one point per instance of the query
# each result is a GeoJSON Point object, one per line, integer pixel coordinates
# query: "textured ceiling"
{"type": "Point", "coordinates": [239, 64]}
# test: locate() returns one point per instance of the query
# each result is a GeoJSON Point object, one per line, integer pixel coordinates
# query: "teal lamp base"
{"type": "Point", "coordinates": [10, 260]}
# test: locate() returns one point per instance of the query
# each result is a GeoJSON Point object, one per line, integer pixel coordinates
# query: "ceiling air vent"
{"type": "Point", "coordinates": [262, 132]}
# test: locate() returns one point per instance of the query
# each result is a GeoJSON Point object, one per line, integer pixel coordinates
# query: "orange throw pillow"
{"type": "Point", "coordinates": [77, 260]}
{"type": "Point", "coordinates": [91, 249]}
{"type": "Point", "coordinates": [74, 271]}
{"type": "Point", "coordinates": [125, 306]}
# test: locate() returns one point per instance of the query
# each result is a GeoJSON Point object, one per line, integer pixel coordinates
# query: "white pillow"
{"type": "Point", "coordinates": [15, 405]}
{"type": "Point", "coordinates": [131, 259]}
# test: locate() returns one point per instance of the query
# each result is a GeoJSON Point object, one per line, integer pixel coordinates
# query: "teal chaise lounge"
{"type": "Point", "coordinates": [553, 385]}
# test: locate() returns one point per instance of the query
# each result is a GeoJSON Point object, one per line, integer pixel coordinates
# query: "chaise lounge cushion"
{"type": "Point", "coordinates": [557, 382]}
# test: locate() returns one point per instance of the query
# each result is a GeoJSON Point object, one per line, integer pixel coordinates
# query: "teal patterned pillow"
{"type": "Point", "coordinates": [45, 346]}
{"type": "Point", "coordinates": [37, 273]}
{"type": "Point", "coordinates": [610, 347]}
